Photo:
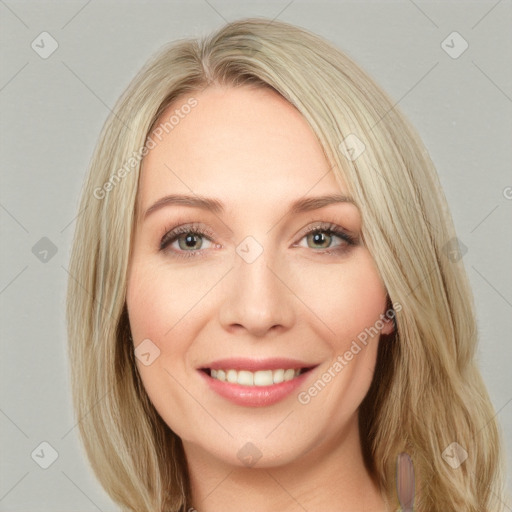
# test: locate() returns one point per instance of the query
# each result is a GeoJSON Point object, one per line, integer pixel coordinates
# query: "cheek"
{"type": "Point", "coordinates": [166, 306]}
{"type": "Point", "coordinates": [349, 299]}
{"type": "Point", "coordinates": [161, 299]}
{"type": "Point", "coordinates": [160, 306]}
{"type": "Point", "coordinates": [346, 298]}
{"type": "Point", "coordinates": [158, 312]}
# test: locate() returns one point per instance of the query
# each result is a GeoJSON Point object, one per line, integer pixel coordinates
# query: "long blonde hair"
{"type": "Point", "coordinates": [427, 392]}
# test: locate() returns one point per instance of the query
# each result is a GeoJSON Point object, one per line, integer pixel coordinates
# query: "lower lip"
{"type": "Point", "coordinates": [254, 396]}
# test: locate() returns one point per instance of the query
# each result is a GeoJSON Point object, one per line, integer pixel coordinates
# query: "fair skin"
{"type": "Point", "coordinates": [303, 297]}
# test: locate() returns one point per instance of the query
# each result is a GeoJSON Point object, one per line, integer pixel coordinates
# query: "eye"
{"type": "Point", "coordinates": [188, 240]}
{"type": "Point", "coordinates": [323, 235]}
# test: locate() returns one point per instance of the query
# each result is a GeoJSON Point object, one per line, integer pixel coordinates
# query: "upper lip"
{"type": "Point", "coordinates": [256, 364]}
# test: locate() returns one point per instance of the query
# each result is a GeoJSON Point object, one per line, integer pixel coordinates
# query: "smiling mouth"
{"type": "Point", "coordinates": [257, 378]}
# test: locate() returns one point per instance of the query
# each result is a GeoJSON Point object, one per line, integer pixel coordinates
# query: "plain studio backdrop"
{"type": "Point", "coordinates": [64, 64]}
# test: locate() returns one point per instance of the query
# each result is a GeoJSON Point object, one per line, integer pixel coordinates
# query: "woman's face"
{"type": "Point", "coordinates": [243, 289]}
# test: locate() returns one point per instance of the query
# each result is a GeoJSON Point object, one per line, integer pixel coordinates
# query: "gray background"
{"type": "Point", "coordinates": [52, 112]}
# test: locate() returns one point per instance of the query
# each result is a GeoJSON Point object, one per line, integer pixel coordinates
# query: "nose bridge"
{"type": "Point", "coordinates": [256, 298]}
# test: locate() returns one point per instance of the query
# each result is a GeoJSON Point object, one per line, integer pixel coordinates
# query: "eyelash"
{"type": "Point", "coordinates": [195, 229]}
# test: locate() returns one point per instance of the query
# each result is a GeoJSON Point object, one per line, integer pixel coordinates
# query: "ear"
{"type": "Point", "coordinates": [389, 325]}
{"type": "Point", "coordinates": [389, 318]}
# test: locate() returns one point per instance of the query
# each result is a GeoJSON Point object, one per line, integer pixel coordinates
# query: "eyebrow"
{"type": "Point", "coordinates": [214, 205]}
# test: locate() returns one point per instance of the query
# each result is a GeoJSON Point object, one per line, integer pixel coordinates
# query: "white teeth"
{"type": "Point", "coordinates": [258, 378]}
{"type": "Point", "coordinates": [263, 378]}
{"type": "Point", "coordinates": [245, 378]}
{"type": "Point", "coordinates": [278, 376]}
{"type": "Point", "coordinates": [289, 374]}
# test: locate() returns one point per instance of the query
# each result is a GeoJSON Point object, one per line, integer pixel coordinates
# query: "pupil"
{"type": "Point", "coordinates": [317, 238]}
{"type": "Point", "coordinates": [189, 241]}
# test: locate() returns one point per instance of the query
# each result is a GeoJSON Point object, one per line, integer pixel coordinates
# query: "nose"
{"type": "Point", "coordinates": [257, 297]}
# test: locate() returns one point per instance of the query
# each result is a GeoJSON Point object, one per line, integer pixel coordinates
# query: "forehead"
{"type": "Point", "coordinates": [244, 145]}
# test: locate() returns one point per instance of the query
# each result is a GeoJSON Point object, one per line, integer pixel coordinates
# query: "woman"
{"type": "Point", "coordinates": [265, 309]}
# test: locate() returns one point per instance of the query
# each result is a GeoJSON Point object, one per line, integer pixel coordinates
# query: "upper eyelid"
{"type": "Point", "coordinates": [184, 228]}
{"type": "Point", "coordinates": [205, 231]}
{"type": "Point", "coordinates": [323, 226]}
